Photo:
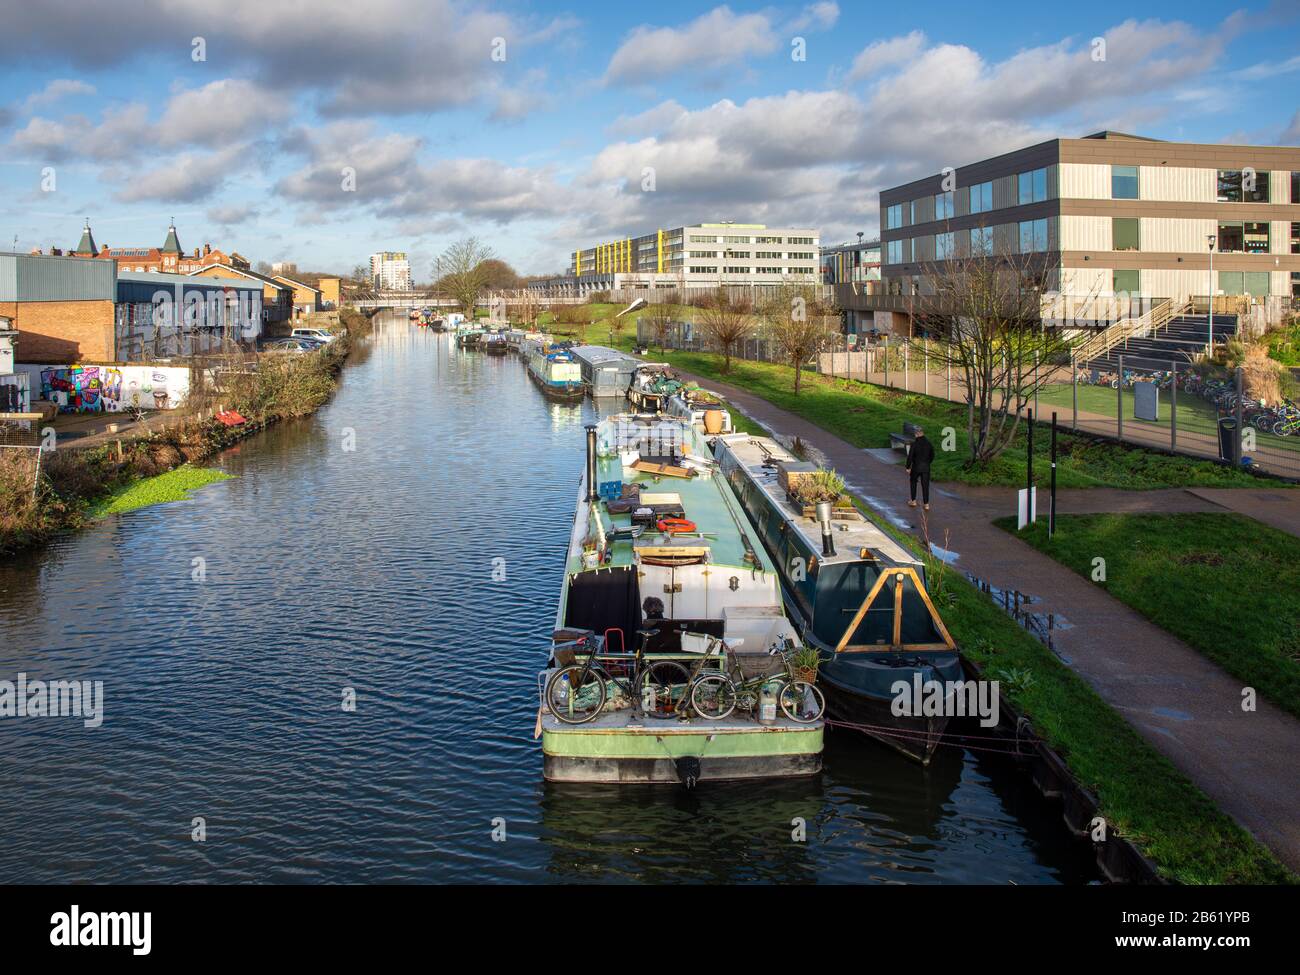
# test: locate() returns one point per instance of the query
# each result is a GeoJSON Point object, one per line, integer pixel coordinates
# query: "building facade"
{"type": "Point", "coordinates": [168, 259]}
{"type": "Point", "coordinates": [697, 257]}
{"type": "Point", "coordinates": [1110, 216]}
{"type": "Point", "coordinates": [277, 297]}
{"type": "Point", "coordinates": [306, 299]}
{"type": "Point", "coordinates": [390, 271]}
{"type": "Point", "coordinates": [856, 266]}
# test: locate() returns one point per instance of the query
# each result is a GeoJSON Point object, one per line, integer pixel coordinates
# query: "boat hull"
{"type": "Point", "coordinates": [563, 394]}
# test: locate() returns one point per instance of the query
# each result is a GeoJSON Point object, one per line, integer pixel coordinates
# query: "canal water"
{"type": "Point", "coordinates": [406, 543]}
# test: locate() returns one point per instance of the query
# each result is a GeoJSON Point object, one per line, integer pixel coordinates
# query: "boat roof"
{"type": "Point", "coordinates": [603, 355]}
{"type": "Point", "coordinates": [706, 500]}
{"type": "Point", "coordinates": [755, 454]}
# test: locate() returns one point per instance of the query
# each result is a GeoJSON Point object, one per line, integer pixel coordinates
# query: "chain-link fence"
{"type": "Point", "coordinates": [1167, 406]}
{"type": "Point", "coordinates": [692, 337]}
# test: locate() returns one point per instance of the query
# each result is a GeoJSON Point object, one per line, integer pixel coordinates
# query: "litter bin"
{"type": "Point", "coordinates": [1229, 441]}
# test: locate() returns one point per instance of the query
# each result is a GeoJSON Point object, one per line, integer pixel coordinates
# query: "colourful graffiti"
{"type": "Point", "coordinates": [94, 389]}
{"type": "Point", "coordinates": [75, 390]}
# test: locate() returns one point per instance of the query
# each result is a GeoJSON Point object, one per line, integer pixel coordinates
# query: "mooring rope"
{"type": "Point", "coordinates": [1013, 747]}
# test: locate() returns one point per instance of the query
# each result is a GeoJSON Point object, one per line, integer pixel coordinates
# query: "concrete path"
{"type": "Point", "coordinates": [1183, 704]}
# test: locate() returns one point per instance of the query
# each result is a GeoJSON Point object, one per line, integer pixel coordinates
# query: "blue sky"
{"type": "Point", "coordinates": [540, 126]}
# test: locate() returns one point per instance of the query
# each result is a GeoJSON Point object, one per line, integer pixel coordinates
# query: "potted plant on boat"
{"type": "Point", "coordinates": [804, 663]}
{"type": "Point", "coordinates": [809, 490]}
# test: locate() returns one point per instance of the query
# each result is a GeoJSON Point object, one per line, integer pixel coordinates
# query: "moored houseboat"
{"type": "Point", "coordinates": [852, 592]}
{"type": "Point", "coordinates": [662, 572]}
{"type": "Point", "coordinates": [652, 384]}
{"type": "Point", "coordinates": [469, 338]}
{"type": "Point", "coordinates": [555, 372]}
{"type": "Point", "coordinates": [699, 406]}
{"type": "Point", "coordinates": [494, 343]}
{"type": "Point", "coordinates": [606, 371]}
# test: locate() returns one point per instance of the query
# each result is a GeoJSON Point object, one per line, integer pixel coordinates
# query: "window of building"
{"type": "Point", "coordinates": [735, 270]}
{"type": "Point", "coordinates": [1250, 237]}
{"type": "Point", "coordinates": [704, 269]}
{"type": "Point", "coordinates": [742, 254]}
{"type": "Point", "coordinates": [1295, 283]}
{"type": "Point", "coordinates": [1243, 186]}
{"type": "Point", "coordinates": [898, 251]}
{"type": "Point", "coordinates": [944, 246]}
{"type": "Point", "coordinates": [737, 240]}
{"type": "Point", "coordinates": [981, 241]}
{"type": "Point", "coordinates": [1295, 238]}
{"type": "Point", "coordinates": [1295, 187]}
{"type": "Point", "coordinates": [981, 197]}
{"type": "Point", "coordinates": [1032, 186]}
{"type": "Point", "coordinates": [800, 240]}
{"type": "Point", "coordinates": [767, 255]}
{"type": "Point", "coordinates": [943, 206]}
{"type": "Point", "coordinates": [1033, 236]}
{"type": "Point", "coordinates": [1126, 282]}
{"type": "Point", "coordinates": [1123, 183]}
{"type": "Point", "coordinates": [1253, 283]}
{"type": "Point", "coordinates": [1124, 234]}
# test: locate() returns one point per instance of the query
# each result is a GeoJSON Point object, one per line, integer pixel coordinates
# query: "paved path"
{"type": "Point", "coordinates": [1183, 704]}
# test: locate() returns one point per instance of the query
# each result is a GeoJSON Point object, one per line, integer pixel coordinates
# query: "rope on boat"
{"type": "Point", "coordinates": [1010, 747]}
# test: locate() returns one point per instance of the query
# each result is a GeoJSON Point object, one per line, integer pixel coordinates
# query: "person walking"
{"type": "Point", "coordinates": [919, 457]}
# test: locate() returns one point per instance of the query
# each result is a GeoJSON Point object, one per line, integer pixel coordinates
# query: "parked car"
{"type": "Point", "coordinates": [292, 345]}
{"type": "Point", "coordinates": [319, 334]}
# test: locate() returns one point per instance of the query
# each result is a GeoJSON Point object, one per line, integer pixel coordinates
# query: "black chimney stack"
{"type": "Point", "coordinates": [593, 494]}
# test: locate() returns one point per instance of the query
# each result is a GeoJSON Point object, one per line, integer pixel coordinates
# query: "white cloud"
{"type": "Point", "coordinates": [184, 178]}
{"type": "Point", "coordinates": [713, 40]}
{"type": "Point", "coordinates": [817, 16]}
{"type": "Point", "coordinates": [1268, 69]}
{"type": "Point", "coordinates": [879, 55]}
{"type": "Point", "coordinates": [229, 216]}
{"type": "Point", "coordinates": [218, 112]}
{"type": "Point", "coordinates": [56, 89]}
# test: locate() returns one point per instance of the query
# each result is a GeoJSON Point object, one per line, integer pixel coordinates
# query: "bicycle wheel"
{"type": "Point", "coordinates": [713, 696]}
{"type": "Point", "coordinates": [802, 702]}
{"type": "Point", "coordinates": [575, 705]}
{"type": "Point", "coordinates": [661, 688]}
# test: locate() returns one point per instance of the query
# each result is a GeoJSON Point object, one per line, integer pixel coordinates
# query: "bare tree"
{"type": "Point", "coordinates": [799, 324]}
{"type": "Point", "coordinates": [985, 322]}
{"type": "Point", "coordinates": [660, 319]}
{"type": "Point", "coordinates": [726, 319]}
{"type": "Point", "coordinates": [463, 273]}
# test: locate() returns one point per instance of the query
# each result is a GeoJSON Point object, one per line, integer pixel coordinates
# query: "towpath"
{"type": "Point", "coordinates": [1182, 703]}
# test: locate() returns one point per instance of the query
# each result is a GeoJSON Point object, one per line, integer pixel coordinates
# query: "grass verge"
{"type": "Point", "coordinates": [865, 415]}
{"type": "Point", "coordinates": [1223, 583]}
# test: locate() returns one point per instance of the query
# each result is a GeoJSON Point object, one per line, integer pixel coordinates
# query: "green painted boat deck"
{"type": "Point", "coordinates": [620, 734]}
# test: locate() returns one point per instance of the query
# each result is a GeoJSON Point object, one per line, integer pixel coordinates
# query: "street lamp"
{"type": "Point", "coordinates": [1209, 349]}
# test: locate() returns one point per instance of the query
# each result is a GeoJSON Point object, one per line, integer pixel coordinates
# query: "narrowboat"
{"type": "Point", "coordinates": [469, 338]}
{"type": "Point", "coordinates": [606, 371]}
{"type": "Point", "coordinates": [555, 372]}
{"type": "Point", "coordinates": [663, 565]}
{"type": "Point", "coordinates": [494, 343]}
{"type": "Point", "coordinates": [853, 593]}
{"type": "Point", "coordinates": [699, 406]}
{"type": "Point", "coordinates": [651, 386]}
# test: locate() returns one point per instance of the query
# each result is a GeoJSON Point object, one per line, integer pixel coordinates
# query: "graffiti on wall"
{"type": "Point", "coordinates": [111, 389]}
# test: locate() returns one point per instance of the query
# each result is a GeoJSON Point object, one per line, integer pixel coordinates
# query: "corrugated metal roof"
{"type": "Point", "coordinates": [188, 281]}
{"type": "Point", "coordinates": [41, 277]}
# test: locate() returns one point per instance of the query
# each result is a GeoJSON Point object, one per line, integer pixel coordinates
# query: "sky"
{"type": "Point", "coordinates": [320, 131]}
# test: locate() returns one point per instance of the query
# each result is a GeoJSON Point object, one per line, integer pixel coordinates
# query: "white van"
{"type": "Point", "coordinates": [315, 334]}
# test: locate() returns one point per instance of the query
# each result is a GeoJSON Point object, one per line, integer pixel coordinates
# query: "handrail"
{"type": "Point", "coordinates": [1150, 322]}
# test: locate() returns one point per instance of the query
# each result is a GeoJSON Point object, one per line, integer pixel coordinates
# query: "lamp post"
{"type": "Point", "coordinates": [1210, 238]}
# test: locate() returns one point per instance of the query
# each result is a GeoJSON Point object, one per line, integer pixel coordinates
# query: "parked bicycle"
{"type": "Point", "coordinates": [578, 693]}
{"type": "Point", "coordinates": [717, 695]}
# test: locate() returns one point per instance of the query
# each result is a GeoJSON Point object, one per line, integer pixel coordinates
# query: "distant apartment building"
{"type": "Point", "coordinates": [695, 257]}
{"type": "Point", "coordinates": [390, 271]}
{"type": "Point", "coordinates": [858, 266]}
{"type": "Point", "coordinates": [1109, 216]}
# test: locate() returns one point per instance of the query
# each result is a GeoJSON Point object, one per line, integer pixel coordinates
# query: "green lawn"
{"type": "Point", "coordinates": [865, 415]}
{"type": "Point", "coordinates": [1223, 583]}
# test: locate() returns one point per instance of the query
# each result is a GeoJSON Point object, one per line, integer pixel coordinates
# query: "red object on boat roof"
{"type": "Point", "coordinates": [231, 418]}
{"type": "Point", "coordinates": [674, 526]}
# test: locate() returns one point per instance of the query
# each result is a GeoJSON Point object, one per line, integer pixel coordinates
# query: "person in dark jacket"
{"type": "Point", "coordinates": [919, 457]}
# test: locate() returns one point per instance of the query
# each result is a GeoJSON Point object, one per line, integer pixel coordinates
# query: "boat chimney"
{"type": "Point", "coordinates": [593, 495]}
{"type": "Point", "coordinates": [824, 519]}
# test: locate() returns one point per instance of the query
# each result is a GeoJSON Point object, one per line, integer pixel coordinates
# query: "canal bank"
{"type": "Point", "coordinates": [438, 539]}
{"type": "Point", "coordinates": [1182, 737]}
{"type": "Point", "coordinates": [75, 484]}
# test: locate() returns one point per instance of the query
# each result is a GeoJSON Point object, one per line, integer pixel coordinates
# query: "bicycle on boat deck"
{"type": "Point", "coordinates": [716, 695]}
{"type": "Point", "coordinates": [577, 693]}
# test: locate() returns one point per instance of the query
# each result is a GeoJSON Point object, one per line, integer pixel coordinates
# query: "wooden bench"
{"type": "Point", "coordinates": [901, 441]}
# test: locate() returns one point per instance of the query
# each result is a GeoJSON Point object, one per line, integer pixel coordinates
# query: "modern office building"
{"type": "Point", "coordinates": [695, 257]}
{"type": "Point", "coordinates": [1109, 216]}
{"type": "Point", "coordinates": [390, 271]}
{"type": "Point", "coordinates": [855, 264]}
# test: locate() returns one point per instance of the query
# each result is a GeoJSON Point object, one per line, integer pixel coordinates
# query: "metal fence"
{"type": "Point", "coordinates": [691, 337]}
{"type": "Point", "coordinates": [1169, 406]}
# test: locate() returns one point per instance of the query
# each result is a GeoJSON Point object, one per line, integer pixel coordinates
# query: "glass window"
{"type": "Point", "coordinates": [1033, 236]}
{"type": "Point", "coordinates": [1295, 187]}
{"type": "Point", "coordinates": [1230, 282]}
{"type": "Point", "coordinates": [1124, 233]}
{"type": "Point", "coordinates": [1123, 183]}
{"type": "Point", "coordinates": [1032, 186]}
{"type": "Point", "coordinates": [1230, 238]}
{"type": "Point", "coordinates": [894, 217]}
{"type": "Point", "coordinates": [943, 206]}
{"type": "Point", "coordinates": [1243, 186]}
{"type": "Point", "coordinates": [1295, 238]}
{"type": "Point", "coordinates": [981, 197]}
{"type": "Point", "coordinates": [944, 246]}
{"type": "Point", "coordinates": [1126, 282]}
{"type": "Point", "coordinates": [1256, 238]}
{"type": "Point", "coordinates": [1255, 283]}
{"type": "Point", "coordinates": [981, 241]}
